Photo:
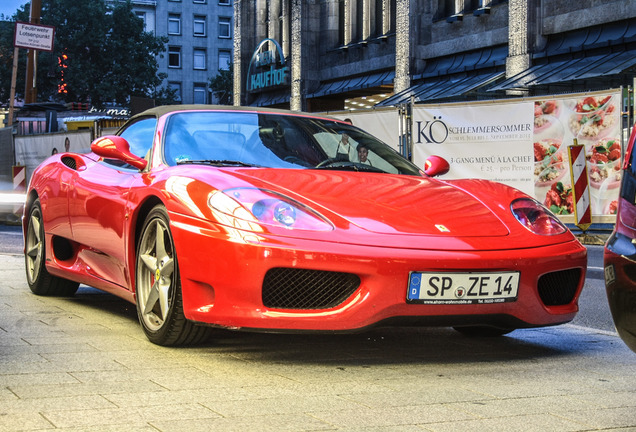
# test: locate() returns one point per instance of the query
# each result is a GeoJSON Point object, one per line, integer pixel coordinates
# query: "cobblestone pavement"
{"type": "Point", "coordinates": [83, 364]}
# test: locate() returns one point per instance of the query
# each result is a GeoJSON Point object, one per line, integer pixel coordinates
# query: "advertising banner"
{"type": "Point", "coordinates": [381, 123]}
{"type": "Point", "coordinates": [32, 150]}
{"type": "Point", "coordinates": [525, 144]}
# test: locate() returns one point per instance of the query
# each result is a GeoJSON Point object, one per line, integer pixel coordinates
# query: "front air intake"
{"type": "Point", "coordinates": [558, 288]}
{"type": "Point", "coordinates": [292, 288]}
{"type": "Point", "coordinates": [69, 162]}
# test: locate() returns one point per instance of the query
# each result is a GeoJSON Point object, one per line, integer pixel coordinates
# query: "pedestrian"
{"type": "Point", "coordinates": [363, 154]}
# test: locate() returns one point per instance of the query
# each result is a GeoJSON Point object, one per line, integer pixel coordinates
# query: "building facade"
{"type": "Point", "coordinates": [199, 44]}
{"type": "Point", "coordinates": [325, 55]}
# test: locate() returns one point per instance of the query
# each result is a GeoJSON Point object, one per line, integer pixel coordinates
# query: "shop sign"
{"type": "Point", "coordinates": [267, 68]}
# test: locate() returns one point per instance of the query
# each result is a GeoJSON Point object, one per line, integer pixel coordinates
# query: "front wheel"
{"type": "Point", "coordinates": [158, 286]}
{"type": "Point", "coordinates": [40, 281]}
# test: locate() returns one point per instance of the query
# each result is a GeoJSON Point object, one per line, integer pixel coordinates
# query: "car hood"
{"type": "Point", "coordinates": [385, 203]}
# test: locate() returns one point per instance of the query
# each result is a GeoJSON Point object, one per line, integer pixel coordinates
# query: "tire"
{"type": "Point", "coordinates": [483, 331]}
{"type": "Point", "coordinates": [39, 279]}
{"type": "Point", "coordinates": [158, 286]}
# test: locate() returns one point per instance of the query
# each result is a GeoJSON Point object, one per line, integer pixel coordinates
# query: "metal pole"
{"type": "Point", "coordinates": [409, 128]}
{"type": "Point", "coordinates": [14, 76]}
{"type": "Point", "coordinates": [401, 130]}
{"type": "Point", "coordinates": [30, 92]}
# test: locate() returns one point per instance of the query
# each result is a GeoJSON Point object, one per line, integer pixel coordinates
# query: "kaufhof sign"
{"type": "Point", "coordinates": [267, 68]}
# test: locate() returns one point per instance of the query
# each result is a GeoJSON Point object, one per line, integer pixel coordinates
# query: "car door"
{"type": "Point", "coordinates": [98, 207]}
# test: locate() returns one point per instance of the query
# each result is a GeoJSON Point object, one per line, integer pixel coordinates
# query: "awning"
{"type": "Point", "coordinates": [483, 59]}
{"type": "Point", "coordinates": [590, 38]}
{"type": "Point", "coordinates": [454, 76]}
{"type": "Point", "coordinates": [573, 69]}
{"type": "Point", "coordinates": [351, 84]}
{"type": "Point", "coordinates": [271, 98]}
{"type": "Point", "coordinates": [446, 88]}
{"type": "Point", "coordinates": [600, 53]}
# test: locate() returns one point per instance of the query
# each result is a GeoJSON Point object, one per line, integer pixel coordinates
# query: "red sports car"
{"type": "Point", "coordinates": [280, 221]}
{"type": "Point", "coordinates": [620, 253]}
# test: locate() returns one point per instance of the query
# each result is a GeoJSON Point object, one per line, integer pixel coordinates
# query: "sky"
{"type": "Point", "coordinates": [8, 7]}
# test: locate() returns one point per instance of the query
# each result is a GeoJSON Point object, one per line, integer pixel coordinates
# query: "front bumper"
{"type": "Point", "coordinates": [222, 272]}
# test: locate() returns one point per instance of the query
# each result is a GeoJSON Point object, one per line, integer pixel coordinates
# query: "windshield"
{"type": "Point", "coordinates": [277, 141]}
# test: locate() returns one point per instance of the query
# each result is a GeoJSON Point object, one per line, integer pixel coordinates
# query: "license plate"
{"type": "Point", "coordinates": [462, 288]}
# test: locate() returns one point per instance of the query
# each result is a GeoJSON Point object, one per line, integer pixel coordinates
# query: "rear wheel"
{"type": "Point", "coordinates": [158, 286]}
{"type": "Point", "coordinates": [39, 279]}
{"type": "Point", "coordinates": [483, 331]}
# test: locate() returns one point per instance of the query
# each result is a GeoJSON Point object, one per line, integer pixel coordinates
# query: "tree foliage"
{"type": "Point", "coordinates": [222, 86]}
{"type": "Point", "coordinates": [6, 54]}
{"type": "Point", "coordinates": [100, 55]}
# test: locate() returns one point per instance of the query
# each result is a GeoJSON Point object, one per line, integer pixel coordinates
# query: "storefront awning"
{"type": "Point", "coordinates": [573, 69]}
{"type": "Point", "coordinates": [594, 55]}
{"type": "Point", "coordinates": [454, 76]}
{"type": "Point", "coordinates": [271, 98]}
{"type": "Point", "coordinates": [446, 88]}
{"type": "Point", "coordinates": [479, 60]}
{"type": "Point", "coordinates": [354, 84]}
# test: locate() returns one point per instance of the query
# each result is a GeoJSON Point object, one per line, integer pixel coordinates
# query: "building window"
{"type": "Point", "coordinates": [176, 86]}
{"type": "Point", "coordinates": [449, 8]}
{"type": "Point", "coordinates": [199, 1]}
{"type": "Point", "coordinates": [225, 2]}
{"type": "Point", "coordinates": [174, 24]}
{"type": "Point", "coordinates": [342, 26]}
{"type": "Point", "coordinates": [225, 59]}
{"type": "Point", "coordinates": [358, 33]}
{"type": "Point", "coordinates": [200, 94]}
{"type": "Point", "coordinates": [174, 57]}
{"type": "Point", "coordinates": [384, 20]}
{"type": "Point", "coordinates": [225, 27]}
{"type": "Point", "coordinates": [142, 16]}
{"type": "Point", "coordinates": [473, 5]}
{"type": "Point", "coordinates": [199, 25]}
{"type": "Point", "coordinates": [199, 59]}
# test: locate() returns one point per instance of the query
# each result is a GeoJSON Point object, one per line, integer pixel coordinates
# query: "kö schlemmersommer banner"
{"type": "Point", "coordinates": [524, 144]}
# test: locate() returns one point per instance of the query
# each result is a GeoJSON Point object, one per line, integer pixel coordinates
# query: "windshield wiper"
{"type": "Point", "coordinates": [331, 164]}
{"type": "Point", "coordinates": [216, 162]}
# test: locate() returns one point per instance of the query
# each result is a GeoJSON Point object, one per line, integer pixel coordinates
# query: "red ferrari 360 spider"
{"type": "Point", "coordinates": [274, 220]}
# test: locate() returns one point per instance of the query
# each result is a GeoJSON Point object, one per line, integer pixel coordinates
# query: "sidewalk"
{"type": "Point", "coordinates": [83, 364]}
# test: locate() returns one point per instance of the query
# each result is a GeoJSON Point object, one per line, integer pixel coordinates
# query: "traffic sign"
{"type": "Point", "coordinates": [33, 36]}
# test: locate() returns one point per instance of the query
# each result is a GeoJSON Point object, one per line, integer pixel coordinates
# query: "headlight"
{"type": "Point", "coordinates": [264, 207]}
{"type": "Point", "coordinates": [536, 218]}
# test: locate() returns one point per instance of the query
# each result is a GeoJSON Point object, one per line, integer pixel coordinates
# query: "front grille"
{"type": "Point", "coordinates": [291, 288]}
{"type": "Point", "coordinates": [69, 162]}
{"type": "Point", "coordinates": [558, 288]}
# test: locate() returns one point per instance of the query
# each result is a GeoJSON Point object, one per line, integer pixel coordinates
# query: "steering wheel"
{"type": "Point", "coordinates": [328, 162]}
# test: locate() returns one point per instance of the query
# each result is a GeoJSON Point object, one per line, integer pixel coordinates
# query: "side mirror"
{"type": "Point", "coordinates": [436, 166]}
{"type": "Point", "coordinates": [116, 147]}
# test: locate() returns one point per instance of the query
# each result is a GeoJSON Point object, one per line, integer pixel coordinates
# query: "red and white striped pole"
{"type": "Point", "coordinates": [19, 185]}
{"type": "Point", "coordinates": [580, 183]}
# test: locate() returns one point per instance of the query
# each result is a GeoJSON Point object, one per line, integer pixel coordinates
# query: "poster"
{"type": "Point", "coordinates": [594, 121]}
{"type": "Point", "coordinates": [32, 150]}
{"type": "Point", "coordinates": [524, 145]}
